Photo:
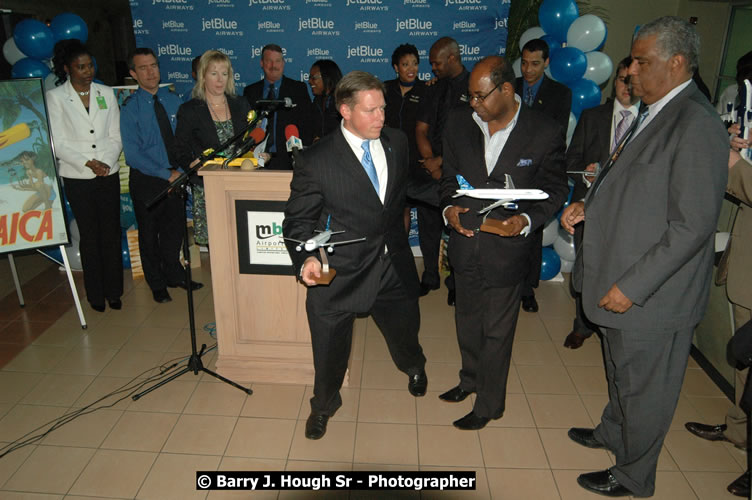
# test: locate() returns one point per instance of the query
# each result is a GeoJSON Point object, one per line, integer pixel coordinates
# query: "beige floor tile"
{"type": "Point", "coordinates": [441, 350]}
{"type": "Point", "coordinates": [14, 386]}
{"type": "Point", "coordinates": [506, 448]}
{"type": "Point", "coordinates": [302, 465]}
{"type": "Point", "coordinates": [442, 376]}
{"type": "Point", "coordinates": [481, 490]}
{"type": "Point", "coordinates": [337, 445]}
{"type": "Point", "coordinates": [174, 477]}
{"type": "Point", "coordinates": [261, 438]}
{"type": "Point", "coordinates": [84, 361]}
{"type": "Point", "coordinates": [274, 401]}
{"type": "Point", "coordinates": [558, 411]}
{"type": "Point", "coordinates": [589, 380]}
{"type": "Point", "coordinates": [200, 435]}
{"type": "Point", "coordinates": [37, 359]}
{"type": "Point", "coordinates": [173, 315]}
{"type": "Point", "coordinates": [685, 412]}
{"type": "Point", "coordinates": [711, 410]}
{"type": "Point", "coordinates": [105, 391]}
{"type": "Point", "coordinates": [557, 327]}
{"type": "Point", "coordinates": [23, 419]}
{"type": "Point", "coordinates": [441, 445]}
{"type": "Point", "coordinates": [57, 389]}
{"type": "Point", "coordinates": [10, 463]}
{"type": "Point", "coordinates": [348, 412]}
{"type": "Point", "coordinates": [516, 414]}
{"type": "Point", "coordinates": [594, 405]}
{"type": "Point", "coordinates": [697, 383]}
{"type": "Point", "coordinates": [666, 462]}
{"type": "Point", "coordinates": [104, 336]}
{"type": "Point", "coordinates": [114, 473]}
{"type": "Point", "coordinates": [692, 454]}
{"type": "Point", "coordinates": [590, 354]}
{"type": "Point", "coordinates": [133, 364]}
{"type": "Point", "coordinates": [357, 349]}
{"type": "Point", "coordinates": [216, 399]}
{"type": "Point", "coordinates": [711, 485]}
{"type": "Point", "coordinates": [566, 482]}
{"type": "Point", "coordinates": [382, 375]}
{"type": "Point", "coordinates": [50, 469]}
{"type": "Point", "coordinates": [138, 431]}
{"type": "Point", "coordinates": [535, 353]}
{"type": "Point", "coordinates": [61, 335]}
{"type": "Point", "coordinates": [522, 484]}
{"type": "Point", "coordinates": [514, 384]}
{"type": "Point", "coordinates": [375, 345]}
{"type": "Point", "coordinates": [530, 328]}
{"type": "Point", "coordinates": [739, 455]}
{"type": "Point", "coordinates": [538, 379]}
{"type": "Point", "coordinates": [15, 495]}
{"type": "Point", "coordinates": [5, 408]}
{"type": "Point", "coordinates": [87, 430]}
{"type": "Point", "coordinates": [248, 464]}
{"type": "Point", "coordinates": [386, 444]}
{"type": "Point", "coordinates": [182, 341]}
{"type": "Point", "coordinates": [387, 406]}
{"type": "Point", "coordinates": [563, 453]}
{"type": "Point", "coordinates": [151, 338]}
{"type": "Point", "coordinates": [433, 411]}
{"type": "Point", "coordinates": [672, 486]}
{"type": "Point", "coordinates": [132, 317]}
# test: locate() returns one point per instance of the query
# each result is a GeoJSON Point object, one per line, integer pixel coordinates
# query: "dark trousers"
{"type": "Point", "coordinates": [486, 319]}
{"type": "Point", "coordinates": [534, 264]}
{"type": "Point", "coordinates": [394, 312]}
{"type": "Point", "coordinates": [430, 227]}
{"type": "Point", "coordinates": [645, 371]}
{"type": "Point", "coordinates": [96, 207]}
{"type": "Point", "coordinates": [160, 230]}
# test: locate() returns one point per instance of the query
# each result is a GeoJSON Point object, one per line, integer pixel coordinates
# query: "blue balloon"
{"type": "Point", "coordinates": [553, 44]}
{"type": "Point", "coordinates": [29, 68]}
{"type": "Point", "coordinates": [550, 264]}
{"type": "Point", "coordinates": [568, 64]}
{"type": "Point", "coordinates": [585, 94]}
{"type": "Point", "coordinates": [53, 253]}
{"type": "Point", "coordinates": [126, 251]}
{"type": "Point", "coordinates": [34, 39]}
{"type": "Point", "coordinates": [68, 25]}
{"type": "Point", "coordinates": [555, 16]}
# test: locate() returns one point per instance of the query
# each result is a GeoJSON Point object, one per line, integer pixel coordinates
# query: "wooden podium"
{"type": "Point", "coordinates": [262, 328]}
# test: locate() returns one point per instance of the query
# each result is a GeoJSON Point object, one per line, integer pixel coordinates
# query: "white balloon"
{"type": "Point", "coordinates": [570, 127]}
{"type": "Point", "coordinates": [11, 52]}
{"type": "Point", "coordinates": [517, 67]}
{"type": "Point", "coordinates": [566, 265]}
{"type": "Point", "coordinates": [564, 245]}
{"type": "Point", "coordinates": [550, 232]}
{"type": "Point", "coordinates": [586, 33]}
{"type": "Point", "coordinates": [599, 67]}
{"type": "Point", "coordinates": [531, 34]}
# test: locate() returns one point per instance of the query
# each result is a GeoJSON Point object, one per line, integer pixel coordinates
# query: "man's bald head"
{"type": "Point", "coordinates": [445, 58]}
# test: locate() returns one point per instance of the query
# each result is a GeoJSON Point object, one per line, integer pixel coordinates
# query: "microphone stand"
{"type": "Point", "coordinates": [180, 185]}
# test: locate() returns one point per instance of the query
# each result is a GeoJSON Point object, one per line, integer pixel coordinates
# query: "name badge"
{"type": "Point", "coordinates": [101, 102]}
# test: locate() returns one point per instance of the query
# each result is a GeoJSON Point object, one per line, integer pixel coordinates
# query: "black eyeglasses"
{"type": "Point", "coordinates": [481, 98]}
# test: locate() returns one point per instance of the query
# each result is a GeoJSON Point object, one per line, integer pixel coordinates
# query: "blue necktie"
{"type": "Point", "coordinates": [368, 165]}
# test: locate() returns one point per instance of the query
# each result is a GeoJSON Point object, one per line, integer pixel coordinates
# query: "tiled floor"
{"type": "Point", "coordinates": [151, 448]}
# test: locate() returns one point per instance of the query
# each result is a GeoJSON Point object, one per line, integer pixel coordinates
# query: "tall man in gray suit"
{"type": "Point", "coordinates": [647, 253]}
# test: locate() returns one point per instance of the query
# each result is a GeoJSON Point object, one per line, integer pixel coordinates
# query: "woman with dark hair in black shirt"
{"type": "Point", "coordinates": [323, 77]}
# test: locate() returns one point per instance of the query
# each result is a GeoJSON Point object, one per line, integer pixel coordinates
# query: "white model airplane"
{"type": "Point", "coordinates": [505, 197]}
{"type": "Point", "coordinates": [321, 240]}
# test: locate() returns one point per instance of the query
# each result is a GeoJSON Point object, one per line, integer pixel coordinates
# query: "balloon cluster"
{"type": "Point", "coordinates": [30, 48]}
{"type": "Point", "coordinates": [574, 43]}
{"type": "Point", "coordinates": [558, 245]}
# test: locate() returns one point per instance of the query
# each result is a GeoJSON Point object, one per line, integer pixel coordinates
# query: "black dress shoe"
{"type": "Point", "coordinates": [195, 285]}
{"type": "Point", "coordinates": [161, 295]}
{"type": "Point", "coordinates": [529, 303]}
{"type": "Point", "coordinates": [584, 437]}
{"type": "Point", "coordinates": [451, 298]}
{"type": "Point", "coordinates": [315, 426]}
{"type": "Point", "coordinates": [424, 289]}
{"type": "Point", "coordinates": [471, 422]}
{"type": "Point", "coordinates": [740, 486]}
{"type": "Point", "coordinates": [455, 395]}
{"type": "Point", "coordinates": [115, 304]}
{"type": "Point", "coordinates": [97, 307]}
{"type": "Point", "coordinates": [575, 340]}
{"type": "Point", "coordinates": [417, 384]}
{"type": "Point", "coordinates": [709, 432]}
{"type": "Point", "coordinates": [603, 483]}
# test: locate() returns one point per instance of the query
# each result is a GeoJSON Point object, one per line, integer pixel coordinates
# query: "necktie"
{"type": "Point", "coordinates": [368, 165]}
{"type": "Point", "coordinates": [271, 122]}
{"type": "Point", "coordinates": [165, 129]}
{"type": "Point", "coordinates": [621, 128]}
{"type": "Point", "coordinates": [617, 152]}
{"type": "Point", "coordinates": [529, 98]}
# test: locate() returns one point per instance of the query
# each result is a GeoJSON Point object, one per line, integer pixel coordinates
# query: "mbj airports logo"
{"type": "Point", "coordinates": [318, 26]}
{"type": "Point", "coordinates": [416, 27]}
{"type": "Point", "coordinates": [221, 26]}
{"type": "Point", "coordinates": [266, 231]}
{"type": "Point", "coordinates": [368, 5]}
{"type": "Point", "coordinates": [270, 4]}
{"type": "Point", "coordinates": [173, 26]}
{"type": "Point", "coordinates": [367, 54]}
{"type": "Point", "coordinates": [465, 27]}
{"type": "Point", "coordinates": [270, 27]}
{"type": "Point", "coordinates": [138, 27]}
{"type": "Point", "coordinates": [367, 27]}
{"type": "Point", "coordinates": [466, 4]}
{"type": "Point", "coordinates": [173, 4]}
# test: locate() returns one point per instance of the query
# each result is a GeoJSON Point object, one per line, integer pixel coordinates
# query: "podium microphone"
{"type": "Point", "coordinates": [294, 144]}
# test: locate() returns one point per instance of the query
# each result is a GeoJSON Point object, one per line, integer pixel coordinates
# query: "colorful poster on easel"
{"type": "Point", "coordinates": [31, 207]}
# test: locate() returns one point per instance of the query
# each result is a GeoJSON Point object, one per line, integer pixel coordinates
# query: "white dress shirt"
{"type": "Point", "coordinates": [377, 155]}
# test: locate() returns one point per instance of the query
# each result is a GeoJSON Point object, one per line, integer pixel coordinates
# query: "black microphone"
{"type": "Point", "coordinates": [274, 104]}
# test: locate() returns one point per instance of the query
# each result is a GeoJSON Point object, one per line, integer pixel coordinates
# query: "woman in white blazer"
{"type": "Point", "coordinates": [85, 124]}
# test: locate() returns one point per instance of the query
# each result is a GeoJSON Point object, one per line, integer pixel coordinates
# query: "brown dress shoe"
{"type": "Point", "coordinates": [574, 340]}
{"type": "Point", "coordinates": [709, 432]}
{"type": "Point", "coordinates": [740, 486]}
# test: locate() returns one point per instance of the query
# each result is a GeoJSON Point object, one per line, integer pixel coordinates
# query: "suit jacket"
{"type": "Point", "coordinates": [553, 99]}
{"type": "Point", "coordinates": [739, 282]}
{"type": "Point", "coordinates": [330, 181]}
{"type": "Point", "coordinates": [591, 142]}
{"type": "Point", "coordinates": [534, 157]}
{"type": "Point", "coordinates": [299, 116]}
{"type": "Point", "coordinates": [650, 226]}
{"type": "Point", "coordinates": [80, 136]}
{"type": "Point", "coordinates": [195, 131]}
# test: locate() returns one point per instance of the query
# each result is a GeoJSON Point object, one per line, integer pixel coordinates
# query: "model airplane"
{"type": "Point", "coordinates": [321, 240]}
{"type": "Point", "coordinates": [505, 197]}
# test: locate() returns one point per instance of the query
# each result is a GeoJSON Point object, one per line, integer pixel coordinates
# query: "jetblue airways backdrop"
{"type": "Point", "coordinates": [356, 34]}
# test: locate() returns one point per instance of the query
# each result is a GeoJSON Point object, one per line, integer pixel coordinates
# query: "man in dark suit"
{"type": "Point", "coordinates": [497, 137]}
{"type": "Point", "coordinates": [355, 180]}
{"type": "Point", "coordinates": [647, 253]}
{"type": "Point", "coordinates": [597, 134]}
{"type": "Point", "coordinates": [275, 85]}
{"type": "Point", "coordinates": [555, 100]}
